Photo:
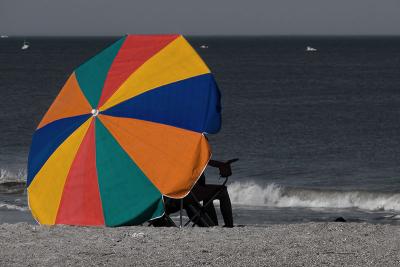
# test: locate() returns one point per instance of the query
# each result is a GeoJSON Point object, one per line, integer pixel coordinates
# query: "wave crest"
{"type": "Point", "coordinates": [273, 195]}
{"type": "Point", "coordinates": [8, 176]}
{"type": "Point", "coordinates": [12, 207]}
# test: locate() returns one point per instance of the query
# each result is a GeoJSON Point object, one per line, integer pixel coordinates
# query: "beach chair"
{"type": "Point", "coordinates": [199, 217]}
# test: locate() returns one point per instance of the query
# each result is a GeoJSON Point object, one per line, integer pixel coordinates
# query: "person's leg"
{"type": "Point", "coordinates": [226, 207]}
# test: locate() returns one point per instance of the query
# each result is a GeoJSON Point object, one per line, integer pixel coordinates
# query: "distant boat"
{"type": "Point", "coordinates": [204, 46]}
{"type": "Point", "coordinates": [310, 49]}
{"type": "Point", "coordinates": [4, 36]}
{"type": "Point", "coordinates": [25, 45]}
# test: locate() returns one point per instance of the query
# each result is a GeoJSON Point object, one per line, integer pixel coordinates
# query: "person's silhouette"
{"type": "Point", "coordinates": [202, 216]}
{"type": "Point", "coordinates": [206, 192]}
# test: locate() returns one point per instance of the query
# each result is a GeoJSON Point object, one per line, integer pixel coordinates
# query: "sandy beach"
{"type": "Point", "coordinates": [311, 244]}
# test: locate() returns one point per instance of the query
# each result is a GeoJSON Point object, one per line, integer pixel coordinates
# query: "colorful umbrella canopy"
{"type": "Point", "coordinates": [125, 130]}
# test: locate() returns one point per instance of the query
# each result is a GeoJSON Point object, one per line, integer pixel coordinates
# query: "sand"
{"type": "Point", "coordinates": [310, 244]}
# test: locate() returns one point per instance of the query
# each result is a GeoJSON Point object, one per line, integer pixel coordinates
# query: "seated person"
{"type": "Point", "coordinates": [205, 192]}
{"type": "Point", "coordinates": [201, 191]}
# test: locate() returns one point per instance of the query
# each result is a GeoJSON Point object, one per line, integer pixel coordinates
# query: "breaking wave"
{"type": "Point", "coordinates": [273, 195]}
{"type": "Point", "coordinates": [8, 176]}
{"type": "Point", "coordinates": [12, 207]}
{"type": "Point", "coordinates": [12, 183]}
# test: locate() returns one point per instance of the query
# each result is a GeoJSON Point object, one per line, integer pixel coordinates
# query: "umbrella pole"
{"type": "Point", "coordinates": [180, 214]}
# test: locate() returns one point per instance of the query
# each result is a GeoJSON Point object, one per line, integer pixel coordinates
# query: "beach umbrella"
{"type": "Point", "coordinates": [126, 129]}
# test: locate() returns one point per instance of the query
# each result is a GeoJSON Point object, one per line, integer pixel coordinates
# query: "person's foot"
{"type": "Point", "coordinates": [227, 226]}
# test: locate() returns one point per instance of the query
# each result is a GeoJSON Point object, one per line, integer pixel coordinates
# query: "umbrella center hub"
{"type": "Point", "coordinates": [95, 112]}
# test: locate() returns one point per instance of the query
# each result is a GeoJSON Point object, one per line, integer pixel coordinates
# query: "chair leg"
{"type": "Point", "coordinates": [170, 221]}
{"type": "Point", "coordinates": [206, 218]}
{"type": "Point", "coordinates": [198, 217]}
{"type": "Point", "coordinates": [198, 214]}
{"type": "Point", "coordinates": [164, 221]}
{"type": "Point", "coordinates": [211, 212]}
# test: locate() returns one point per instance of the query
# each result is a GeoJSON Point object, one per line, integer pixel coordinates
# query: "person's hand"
{"type": "Point", "coordinates": [225, 170]}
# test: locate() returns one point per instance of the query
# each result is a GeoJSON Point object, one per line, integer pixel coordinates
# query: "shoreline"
{"type": "Point", "coordinates": [308, 244]}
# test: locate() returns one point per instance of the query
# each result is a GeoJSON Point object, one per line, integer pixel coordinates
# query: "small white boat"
{"type": "Point", "coordinates": [4, 36]}
{"type": "Point", "coordinates": [204, 46]}
{"type": "Point", "coordinates": [25, 45]}
{"type": "Point", "coordinates": [310, 49]}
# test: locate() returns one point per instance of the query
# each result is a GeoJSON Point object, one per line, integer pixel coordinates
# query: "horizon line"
{"type": "Point", "coordinates": [212, 35]}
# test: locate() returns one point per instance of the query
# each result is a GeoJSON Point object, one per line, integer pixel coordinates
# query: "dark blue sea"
{"type": "Point", "coordinates": [317, 133]}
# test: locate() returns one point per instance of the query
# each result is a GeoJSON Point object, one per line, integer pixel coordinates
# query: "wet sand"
{"type": "Point", "coordinates": [311, 244]}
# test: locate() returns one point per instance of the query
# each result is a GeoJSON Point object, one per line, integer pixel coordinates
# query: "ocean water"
{"type": "Point", "coordinates": [317, 133]}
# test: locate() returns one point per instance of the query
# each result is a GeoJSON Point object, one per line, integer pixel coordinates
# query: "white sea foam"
{"type": "Point", "coordinates": [12, 207]}
{"type": "Point", "coordinates": [250, 193]}
{"type": "Point", "coordinates": [8, 176]}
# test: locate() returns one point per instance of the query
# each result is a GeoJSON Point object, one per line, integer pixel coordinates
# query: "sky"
{"type": "Point", "coordinates": [201, 17]}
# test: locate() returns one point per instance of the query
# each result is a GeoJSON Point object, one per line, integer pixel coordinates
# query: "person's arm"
{"type": "Point", "coordinates": [224, 168]}
{"type": "Point", "coordinates": [215, 163]}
